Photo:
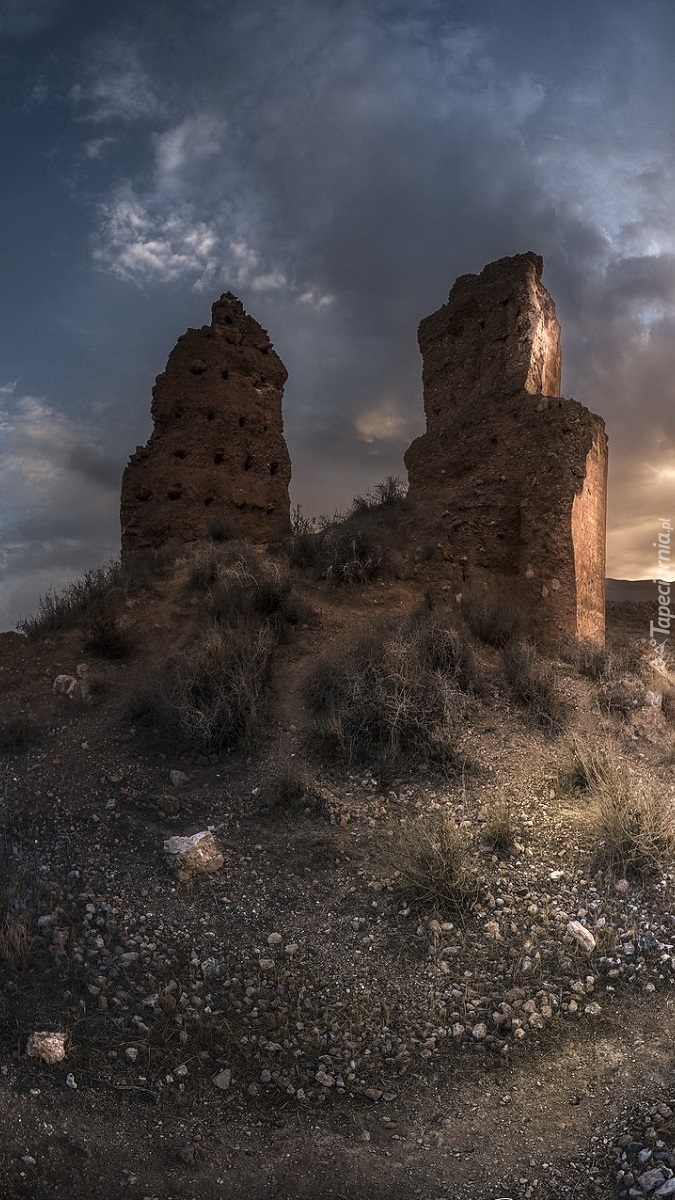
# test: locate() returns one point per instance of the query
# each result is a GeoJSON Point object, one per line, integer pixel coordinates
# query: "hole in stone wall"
{"type": "Point", "coordinates": [210, 415]}
{"type": "Point", "coordinates": [143, 495]}
{"type": "Point", "coordinates": [481, 324]}
{"type": "Point", "coordinates": [242, 422]}
{"type": "Point", "coordinates": [504, 303]}
{"type": "Point", "coordinates": [178, 412]}
{"type": "Point", "coordinates": [179, 453]}
{"type": "Point", "coordinates": [265, 428]}
{"type": "Point", "coordinates": [274, 467]}
{"type": "Point", "coordinates": [218, 457]}
{"type": "Point", "coordinates": [225, 373]}
{"type": "Point", "coordinates": [248, 463]}
{"type": "Point", "coordinates": [209, 500]}
{"type": "Point", "coordinates": [229, 321]}
{"type": "Point", "coordinates": [175, 493]}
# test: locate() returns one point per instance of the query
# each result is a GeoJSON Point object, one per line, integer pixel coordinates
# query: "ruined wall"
{"type": "Point", "coordinates": [509, 481]}
{"type": "Point", "coordinates": [217, 449]}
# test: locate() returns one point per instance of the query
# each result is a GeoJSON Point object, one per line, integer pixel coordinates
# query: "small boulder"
{"type": "Point", "coordinates": [49, 1046]}
{"type": "Point", "coordinates": [194, 855]}
{"type": "Point", "coordinates": [582, 936]}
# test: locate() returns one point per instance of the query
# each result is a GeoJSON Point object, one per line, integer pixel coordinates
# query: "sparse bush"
{"type": "Point", "coordinates": [668, 704]}
{"type": "Point", "coordinates": [445, 644]}
{"type": "Point", "coordinates": [383, 704]}
{"type": "Point", "coordinates": [492, 619]}
{"type": "Point", "coordinates": [351, 554]}
{"type": "Point", "coordinates": [211, 697]}
{"type": "Point", "coordinates": [74, 604]}
{"type": "Point", "coordinates": [622, 694]}
{"type": "Point", "coordinates": [588, 767]}
{"type": "Point", "coordinates": [632, 827]}
{"type": "Point", "coordinates": [499, 832]}
{"type": "Point", "coordinates": [534, 686]}
{"type": "Point", "coordinates": [589, 658]}
{"type": "Point", "coordinates": [104, 635]}
{"type": "Point", "coordinates": [18, 733]}
{"type": "Point", "coordinates": [434, 863]}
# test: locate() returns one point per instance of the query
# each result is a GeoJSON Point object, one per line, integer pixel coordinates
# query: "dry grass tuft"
{"type": "Point", "coordinates": [433, 862]}
{"type": "Point", "coordinates": [499, 832]}
{"type": "Point", "coordinates": [632, 827]}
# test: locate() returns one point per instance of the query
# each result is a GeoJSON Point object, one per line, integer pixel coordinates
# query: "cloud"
{"type": "Point", "coordinates": [144, 245]}
{"type": "Point", "coordinates": [115, 87]}
{"type": "Point", "coordinates": [21, 17]}
{"type": "Point", "coordinates": [58, 501]}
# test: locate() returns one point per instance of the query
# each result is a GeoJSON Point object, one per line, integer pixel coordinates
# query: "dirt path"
{"type": "Point", "coordinates": [534, 1129]}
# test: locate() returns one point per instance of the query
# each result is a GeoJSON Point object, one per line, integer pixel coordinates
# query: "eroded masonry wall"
{"type": "Point", "coordinates": [508, 483]}
{"type": "Point", "coordinates": [217, 452]}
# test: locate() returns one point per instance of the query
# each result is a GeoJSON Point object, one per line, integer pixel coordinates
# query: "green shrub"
{"type": "Point", "coordinates": [534, 686]}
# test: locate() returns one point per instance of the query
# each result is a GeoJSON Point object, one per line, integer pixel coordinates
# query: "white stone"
{"type": "Point", "coordinates": [50, 1047]}
{"type": "Point", "coordinates": [194, 855]}
{"type": "Point", "coordinates": [581, 935]}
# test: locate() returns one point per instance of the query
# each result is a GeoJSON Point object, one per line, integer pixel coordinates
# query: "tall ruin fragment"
{"type": "Point", "coordinates": [509, 482]}
{"type": "Point", "coordinates": [217, 450]}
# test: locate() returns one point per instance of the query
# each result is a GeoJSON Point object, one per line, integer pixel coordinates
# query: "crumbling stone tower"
{"type": "Point", "coordinates": [509, 482]}
{"type": "Point", "coordinates": [217, 449]}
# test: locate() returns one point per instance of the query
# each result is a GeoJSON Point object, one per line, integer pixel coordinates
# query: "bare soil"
{"type": "Point", "coordinates": [347, 1073]}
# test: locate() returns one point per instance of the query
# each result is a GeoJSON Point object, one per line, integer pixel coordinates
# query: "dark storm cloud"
{"type": "Point", "coordinates": [338, 165]}
{"type": "Point", "coordinates": [21, 17]}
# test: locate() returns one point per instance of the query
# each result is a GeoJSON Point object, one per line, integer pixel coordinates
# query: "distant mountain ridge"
{"type": "Point", "coordinates": [632, 591]}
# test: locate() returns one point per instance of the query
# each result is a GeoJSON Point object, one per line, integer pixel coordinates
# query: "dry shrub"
{"type": "Point", "coordinates": [388, 701]}
{"type": "Point", "coordinates": [499, 831]}
{"type": "Point", "coordinates": [433, 862]}
{"type": "Point", "coordinates": [534, 686]}
{"type": "Point", "coordinates": [632, 827]}
{"type": "Point", "coordinates": [104, 634]}
{"type": "Point", "coordinates": [588, 657]}
{"type": "Point", "coordinates": [16, 943]}
{"type": "Point", "coordinates": [587, 767]}
{"type": "Point", "coordinates": [668, 704]}
{"type": "Point", "coordinates": [219, 529]}
{"type": "Point", "coordinates": [350, 550]}
{"type": "Point", "coordinates": [18, 733]}
{"type": "Point", "coordinates": [244, 584]}
{"type": "Point", "coordinates": [75, 604]}
{"type": "Point", "coordinates": [491, 618]}
{"type": "Point", "coordinates": [211, 697]}
{"type": "Point", "coordinates": [622, 694]}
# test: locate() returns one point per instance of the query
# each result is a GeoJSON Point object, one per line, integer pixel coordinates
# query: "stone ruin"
{"type": "Point", "coordinates": [217, 451]}
{"type": "Point", "coordinates": [509, 482]}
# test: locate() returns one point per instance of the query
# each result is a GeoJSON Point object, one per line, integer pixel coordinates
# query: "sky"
{"type": "Point", "coordinates": [336, 164]}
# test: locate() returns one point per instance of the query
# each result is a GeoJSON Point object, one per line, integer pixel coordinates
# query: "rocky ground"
{"type": "Point", "coordinates": [296, 1024]}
